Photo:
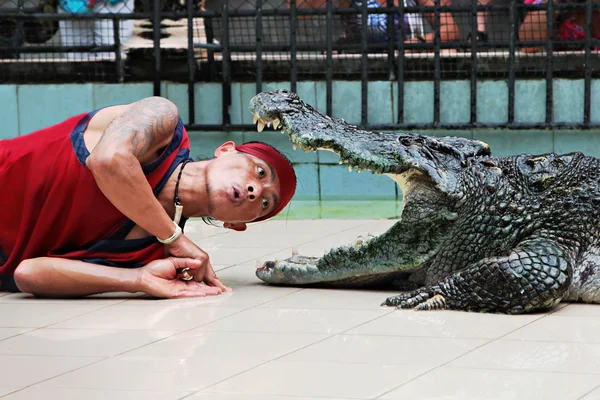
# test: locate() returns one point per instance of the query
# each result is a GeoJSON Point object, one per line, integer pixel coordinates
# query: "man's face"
{"type": "Point", "coordinates": [240, 187]}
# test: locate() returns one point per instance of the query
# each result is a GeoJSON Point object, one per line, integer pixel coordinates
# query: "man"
{"type": "Point", "coordinates": [97, 203]}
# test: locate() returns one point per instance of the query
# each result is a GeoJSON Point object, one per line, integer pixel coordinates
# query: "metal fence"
{"type": "Point", "coordinates": [230, 41]}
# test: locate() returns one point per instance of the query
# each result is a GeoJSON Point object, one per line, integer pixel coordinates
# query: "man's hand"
{"type": "Point", "coordinates": [160, 279]}
{"type": "Point", "coordinates": [185, 248]}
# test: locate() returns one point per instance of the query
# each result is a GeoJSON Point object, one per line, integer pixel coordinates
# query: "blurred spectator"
{"type": "Point", "coordinates": [98, 32]}
{"type": "Point", "coordinates": [11, 37]}
{"type": "Point", "coordinates": [414, 23]}
{"type": "Point", "coordinates": [15, 33]}
{"type": "Point", "coordinates": [481, 23]}
{"type": "Point", "coordinates": [569, 25]}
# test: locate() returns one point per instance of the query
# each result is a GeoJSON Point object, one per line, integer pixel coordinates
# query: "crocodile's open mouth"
{"type": "Point", "coordinates": [423, 166]}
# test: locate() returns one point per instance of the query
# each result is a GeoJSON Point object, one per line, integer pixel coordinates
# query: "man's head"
{"type": "Point", "coordinates": [248, 183]}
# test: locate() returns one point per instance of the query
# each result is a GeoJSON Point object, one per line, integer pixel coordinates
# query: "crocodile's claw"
{"type": "Point", "coordinates": [424, 299]}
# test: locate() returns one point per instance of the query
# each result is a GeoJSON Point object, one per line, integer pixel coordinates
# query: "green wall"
{"type": "Point", "coordinates": [326, 189]}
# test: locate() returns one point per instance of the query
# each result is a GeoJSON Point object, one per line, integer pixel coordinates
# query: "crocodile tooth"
{"type": "Point", "coordinates": [260, 126]}
{"type": "Point", "coordinates": [294, 147]}
{"type": "Point", "coordinates": [269, 124]}
{"type": "Point", "coordinates": [275, 123]}
{"type": "Point", "coordinates": [255, 118]}
{"type": "Point", "coordinates": [350, 168]}
{"type": "Point", "coordinates": [340, 162]}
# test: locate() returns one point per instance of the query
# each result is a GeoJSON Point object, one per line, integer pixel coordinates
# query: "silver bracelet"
{"type": "Point", "coordinates": [178, 232]}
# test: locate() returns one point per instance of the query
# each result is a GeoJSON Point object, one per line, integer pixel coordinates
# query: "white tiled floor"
{"type": "Point", "coordinates": [275, 343]}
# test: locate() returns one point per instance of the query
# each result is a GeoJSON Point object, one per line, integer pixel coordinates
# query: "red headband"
{"type": "Point", "coordinates": [283, 169]}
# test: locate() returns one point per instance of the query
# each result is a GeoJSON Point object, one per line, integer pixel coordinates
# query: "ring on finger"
{"type": "Point", "coordinates": [186, 275]}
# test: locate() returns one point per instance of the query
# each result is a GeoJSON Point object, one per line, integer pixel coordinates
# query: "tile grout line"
{"type": "Point", "coordinates": [459, 356]}
{"type": "Point", "coordinates": [531, 370]}
{"type": "Point", "coordinates": [85, 313]}
{"type": "Point", "coordinates": [263, 363]}
{"type": "Point", "coordinates": [63, 373]}
{"type": "Point", "coordinates": [181, 332]}
{"type": "Point", "coordinates": [49, 326]}
{"type": "Point", "coordinates": [366, 322]}
{"type": "Point", "coordinates": [485, 369]}
{"type": "Point", "coordinates": [102, 358]}
{"type": "Point", "coordinates": [13, 392]}
{"type": "Point", "coordinates": [290, 396]}
{"type": "Point", "coordinates": [201, 325]}
{"type": "Point", "coordinates": [283, 355]}
{"type": "Point", "coordinates": [469, 338]}
{"type": "Point", "coordinates": [75, 369]}
{"type": "Point", "coordinates": [19, 334]}
{"type": "Point", "coordinates": [116, 355]}
{"type": "Point", "coordinates": [432, 369]}
{"type": "Point", "coordinates": [294, 246]}
{"type": "Point", "coordinates": [591, 391]}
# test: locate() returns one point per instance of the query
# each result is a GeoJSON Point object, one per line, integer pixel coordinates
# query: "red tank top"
{"type": "Point", "coordinates": [51, 206]}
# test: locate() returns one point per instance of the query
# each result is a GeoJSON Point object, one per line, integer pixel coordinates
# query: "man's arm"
{"type": "Point", "coordinates": [56, 277]}
{"type": "Point", "coordinates": [132, 139]}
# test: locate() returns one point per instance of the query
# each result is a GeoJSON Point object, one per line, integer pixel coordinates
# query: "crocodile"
{"type": "Point", "coordinates": [513, 234]}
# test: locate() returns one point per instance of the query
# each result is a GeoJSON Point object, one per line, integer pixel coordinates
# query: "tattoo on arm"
{"type": "Point", "coordinates": [147, 125]}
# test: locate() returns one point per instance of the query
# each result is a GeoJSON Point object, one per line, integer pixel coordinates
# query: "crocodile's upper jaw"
{"type": "Point", "coordinates": [385, 153]}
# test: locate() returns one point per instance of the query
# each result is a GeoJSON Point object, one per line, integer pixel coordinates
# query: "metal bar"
{"type": "Point", "coordinates": [473, 118]}
{"type": "Point", "coordinates": [29, 13]}
{"type": "Point", "coordinates": [436, 64]}
{"type": "Point", "coordinates": [258, 45]}
{"type": "Point", "coordinates": [63, 49]}
{"type": "Point", "coordinates": [400, 73]}
{"type": "Point", "coordinates": [392, 10]}
{"type": "Point", "coordinates": [118, 59]}
{"type": "Point", "coordinates": [511, 62]}
{"type": "Point", "coordinates": [15, 13]}
{"type": "Point", "coordinates": [587, 69]}
{"type": "Point", "coordinates": [156, 39]}
{"type": "Point", "coordinates": [225, 64]}
{"type": "Point", "coordinates": [364, 74]}
{"type": "Point", "coordinates": [391, 39]}
{"type": "Point", "coordinates": [191, 63]}
{"type": "Point", "coordinates": [299, 47]}
{"type": "Point", "coordinates": [329, 68]}
{"type": "Point", "coordinates": [549, 66]}
{"type": "Point", "coordinates": [210, 46]}
{"type": "Point", "coordinates": [383, 46]}
{"type": "Point", "coordinates": [293, 47]}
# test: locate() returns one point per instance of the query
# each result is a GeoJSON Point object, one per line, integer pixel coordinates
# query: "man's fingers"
{"type": "Point", "coordinates": [216, 282]}
{"type": "Point", "coordinates": [211, 279]}
{"type": "Point", "coordinates": [181, 263]}
{"type": "Point", "coordinates": [195, 289]}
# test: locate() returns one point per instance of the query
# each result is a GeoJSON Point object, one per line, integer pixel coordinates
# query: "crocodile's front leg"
{"type": "Point", "coordinates": [536, 275]}
{"type": "Point", "coordinates": [400, 250]}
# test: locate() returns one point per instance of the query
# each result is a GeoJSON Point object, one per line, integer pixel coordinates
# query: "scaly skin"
{"type": "Point", "coordinates": [479, 233]}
